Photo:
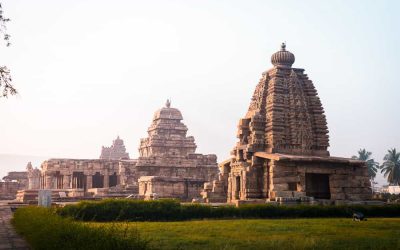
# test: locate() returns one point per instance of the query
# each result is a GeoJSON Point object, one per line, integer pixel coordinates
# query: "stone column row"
{"type": "Point", "coordinates": [47, 181]}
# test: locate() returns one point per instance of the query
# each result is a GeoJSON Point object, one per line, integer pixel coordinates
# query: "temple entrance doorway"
{"type": "Point", "coordinates": [113, 180]}
{"type": "Point", "coordinates": [98, 180]}
{"type": "Point", "coordinates": [237, 190]}
{"type": "Point", "coordinates": [317, 186]}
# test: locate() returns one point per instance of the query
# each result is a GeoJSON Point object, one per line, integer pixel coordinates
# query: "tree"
{"type": "Point", "coordinates": [372, 165]}
{"type": "Point", "coordinates": [6, 86]}
{"type": "Point", "coordinates": [391, 167]}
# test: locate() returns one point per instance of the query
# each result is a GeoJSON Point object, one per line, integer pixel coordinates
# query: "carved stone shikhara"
{"type": "Point", "coordinates": [282, 151]}
{"type": "Point", "coordinates": [168, 165]}
{"type": "Point", "coordinates": [115, 152]}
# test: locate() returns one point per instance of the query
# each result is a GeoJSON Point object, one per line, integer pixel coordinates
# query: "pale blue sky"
{"type": "Point", "coordinates": [88, 71]}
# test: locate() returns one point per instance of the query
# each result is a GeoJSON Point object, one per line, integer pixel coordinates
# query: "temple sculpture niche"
{"type": "Point", "coordinates": [282, 151]}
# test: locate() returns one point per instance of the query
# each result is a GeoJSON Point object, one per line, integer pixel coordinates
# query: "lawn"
{"type": "Point", "coordinates": [376, 233]}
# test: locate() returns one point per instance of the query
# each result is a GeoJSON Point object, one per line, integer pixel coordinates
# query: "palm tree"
{"type": "Point", "coordinates": [391, 167]}
{"type": "Point", "coordinates": [364, 155]}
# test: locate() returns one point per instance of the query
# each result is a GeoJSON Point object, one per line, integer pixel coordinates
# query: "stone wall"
{"type": "Point", "coordinates": [194, 166]}
{"type": "Point", "coordinates": [170, 187]}
{"type": "Point", "coordinates": [346, 182]}
{"type": "Point", "coordinates": [8, 189]}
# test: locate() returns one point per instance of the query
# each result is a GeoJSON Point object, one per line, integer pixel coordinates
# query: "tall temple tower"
{"type": "Point", "coordinates": [115, 152]}
{"type": "Point", "coordinates": [167, 135]}
{"type": "Point", "coordinates": [168, 165]}
{"type": "Point", "coordinates": [286, 111]}
{"type": "Point", "coordinates": [282, 152]}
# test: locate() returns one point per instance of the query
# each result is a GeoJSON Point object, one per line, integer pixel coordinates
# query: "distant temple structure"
{"type": "Point", "coordinates": [11, 183]}
{"type": "Point", "coordinates": [168, 166]}
{"type": "Point", "coordinates": [282, 151]}
{"type": "Point", "coordinates": [115, 152]}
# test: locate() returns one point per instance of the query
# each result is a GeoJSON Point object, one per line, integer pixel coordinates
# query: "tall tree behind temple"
{"type": "Point", "coordinates": [372, 165]}
{"type": "Point", "coordinates": [391, 167]}
{"type": "Point", "coordinates": [6, 87]}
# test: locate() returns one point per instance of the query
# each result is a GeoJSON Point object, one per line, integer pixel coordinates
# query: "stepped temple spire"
{"type": "Point", "coordinates": [167, 135]}
{"type": "Point", "coordinates": [290, 115]}
{"type": "Point", "coordinates": [115, 152]}
{"type": "Point", "coordinates": [282, 151]}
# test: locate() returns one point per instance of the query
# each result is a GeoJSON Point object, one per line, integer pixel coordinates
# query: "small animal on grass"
{"type": "Point", "coordinates": [358, 216]}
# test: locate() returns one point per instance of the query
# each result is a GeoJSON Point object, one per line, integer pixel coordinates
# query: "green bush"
{"type": "Point", "coordinates": [43, 229]}
{"type": "Point", "coordinates": [170, 210]}
{"type": "Point", "coordinates": [123, 210]}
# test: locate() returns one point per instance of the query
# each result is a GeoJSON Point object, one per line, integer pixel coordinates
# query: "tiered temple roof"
{"type": "Point", "coordinates": [115, 152]}
{"type": "Point", "coordinates": [167, 135]}
{"type": "Point", "coordinates": [285, 113]}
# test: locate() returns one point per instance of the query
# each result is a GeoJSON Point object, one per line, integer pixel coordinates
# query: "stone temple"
{"type": "Point", "coordinates": [282, 152]}
{"type": "Point", "coordinates": [168, 166]}
{"type": "Point", "coordinates": [115, 152]}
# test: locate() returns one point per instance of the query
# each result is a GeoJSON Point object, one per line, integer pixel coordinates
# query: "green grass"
{"type": "Point", "coordinates": [43, 229]}
{"type": "Point", "coordinates": [376, 233]}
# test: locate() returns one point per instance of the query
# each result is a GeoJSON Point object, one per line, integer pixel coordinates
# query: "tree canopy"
{"type": "Point", "coordinates": [6, 86]}
{"type": "Point", "coordinates": [372, 165]}
{"type": "Point", "coordinates": [391, 167]}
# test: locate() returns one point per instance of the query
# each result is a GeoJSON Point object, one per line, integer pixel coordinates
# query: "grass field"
{"type": "Point", "coordinates": [376, 233]}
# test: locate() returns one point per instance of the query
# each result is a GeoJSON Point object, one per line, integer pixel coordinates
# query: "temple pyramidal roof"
{"type": "Point", "coordinates": [116, 151]}
{"type": "Point", "coordinates": [285, 113]}
{"type": "Point", "coordinates": [167, 135]}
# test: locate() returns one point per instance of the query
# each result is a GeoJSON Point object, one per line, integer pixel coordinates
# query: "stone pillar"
{"type": "Point", "coordinates": [67, 181]}
{"type": "Point", "coordinates": [106, 179]}
{"type": "Point", "coordinates": [48, 182]}
{"type": "Point", "coordinates": [122, 176]}
{"type": "Point", "coordinates": [34, 180]}
{"type": "Point", "coordinates": [89, 180]}
{"type": "Point", "coordinates": [229, 190]}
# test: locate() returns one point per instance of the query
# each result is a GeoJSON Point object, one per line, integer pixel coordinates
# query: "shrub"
{"type": "Point", "coordinates": [123, 210]}
{"type": "Point", "coordinates": [170, 210]}
{"type": "Point", "coordinates": [43, 229]}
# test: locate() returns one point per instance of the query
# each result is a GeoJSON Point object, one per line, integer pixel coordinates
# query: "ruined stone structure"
{"type": "Point", "coordinates": [282, 152]}
{"type": "Point", "coordinates": [11, 183]}
{"type": "Point", "coordinates": [115, 152]}
{"type": "Point", "coordinates": [33, 176]}
{"type": "Point", "coordinates": [167, 154]}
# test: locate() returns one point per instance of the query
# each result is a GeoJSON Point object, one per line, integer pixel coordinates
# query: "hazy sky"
{"type": "Point", "coordinates": [88, 71]}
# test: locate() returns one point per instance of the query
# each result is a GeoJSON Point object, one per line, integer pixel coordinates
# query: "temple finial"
{"type": "Point", "coordinates": [168, 103]}
{"type": "Point", "coordinates": [283, 46]}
